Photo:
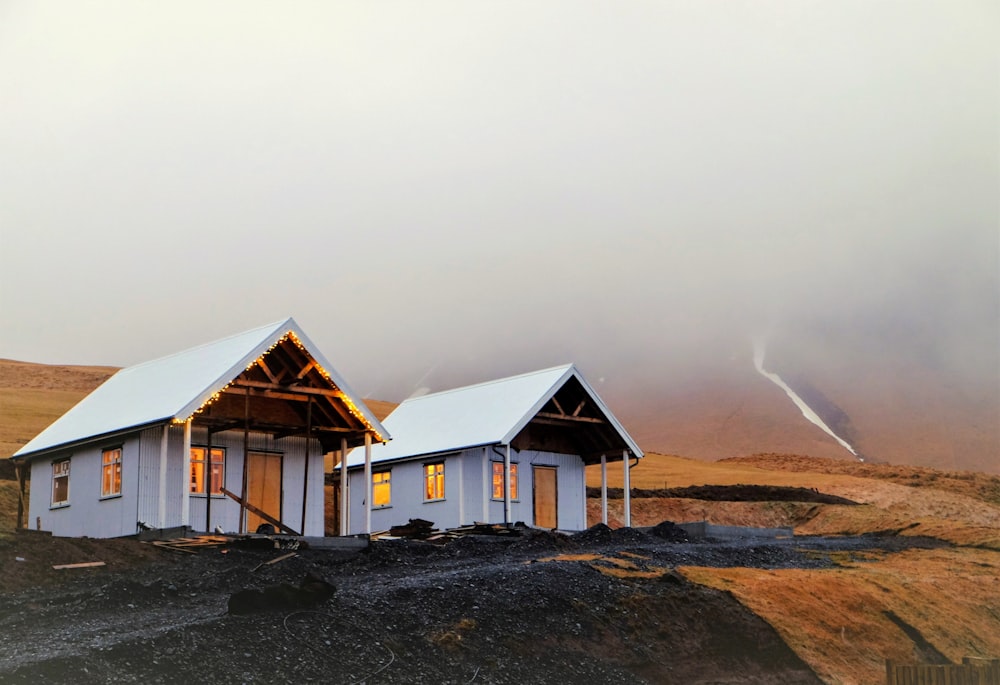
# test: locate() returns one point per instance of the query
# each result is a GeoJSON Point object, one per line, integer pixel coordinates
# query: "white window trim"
{"type": "Point", "coordinates": [382, 506]}
{"type": "Point", "coordinates": [208, 478]}
{"type": "Point", "coordinates": [121, 466]}
{"type": "Point", "coordinates": [66, 502]}
{"type": "Point", "coordinates": [501, 498]}
{"type": "Point", "coordinates": [423, 483]}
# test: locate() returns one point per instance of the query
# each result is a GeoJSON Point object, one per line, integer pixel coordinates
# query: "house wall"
{"type": "Point", "coordinates": [468, 491]}
{"type": "Point", "coordinates": [88, 515]}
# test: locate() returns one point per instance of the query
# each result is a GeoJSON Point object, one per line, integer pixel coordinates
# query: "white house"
{"type": "Point", "coordinates": [230, 434]}
{"type": "Point", "coordinates": [499, 452]}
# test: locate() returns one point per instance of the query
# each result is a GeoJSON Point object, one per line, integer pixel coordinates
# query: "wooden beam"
{"type": "Point", "coordinates": [264, 515]}
{"type": "Point", "coordinates": [562, 412]}
{"type": "Point", "coordinates": [559, 418]}
{"type": "Point", "coordinates": [264, 367]}
{"type": "Point", "coordinates": [305, 369]}
{"type": "Point", "coordinates": [22, 513]}
{"type": "Point", "coordinates": [262, 385]}
{"type": "Point", "coordinates": [576, 412]}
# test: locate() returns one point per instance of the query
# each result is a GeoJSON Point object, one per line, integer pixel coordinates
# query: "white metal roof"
{"type": "Point", "coordinates": [174, 387]}
{"type": "Point", "coordinates": [488, 413]}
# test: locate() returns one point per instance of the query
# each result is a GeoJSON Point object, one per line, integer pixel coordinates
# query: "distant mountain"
{"type": "Point", "coordinates": [893, 411]}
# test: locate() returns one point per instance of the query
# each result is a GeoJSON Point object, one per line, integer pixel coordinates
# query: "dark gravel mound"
{"type": "Point", "coordinates": [668, 530]}
{"type": "Point", "coordinates": [600, 534]}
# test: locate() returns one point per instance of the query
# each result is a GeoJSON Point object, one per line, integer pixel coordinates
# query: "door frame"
{"type": "Point", "coordinates": [535, 468]}
{"type": "Point", "coordinates": [281, 487]}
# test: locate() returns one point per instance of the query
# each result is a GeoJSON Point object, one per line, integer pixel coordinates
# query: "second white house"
{"type": "Point", "coordinates": [505, 451]}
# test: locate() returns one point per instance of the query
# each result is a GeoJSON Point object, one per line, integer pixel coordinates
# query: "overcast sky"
{"type": "Point", "coordinates": [443, 192]}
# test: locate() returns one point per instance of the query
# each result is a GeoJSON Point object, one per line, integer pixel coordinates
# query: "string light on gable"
{"type": "Point", "coordinates": [290, 335]}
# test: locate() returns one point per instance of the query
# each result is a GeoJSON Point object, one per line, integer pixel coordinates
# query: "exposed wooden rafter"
{"type": "Point", "coordinates": [558, 419]}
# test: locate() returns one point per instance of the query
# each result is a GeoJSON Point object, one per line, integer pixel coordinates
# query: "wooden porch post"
{"type": "Point", "coordinates": [506, 486]}
{"type": "Point", "coordinates": [344, 509]}
{"type": "Point", "coordinates": [246, 460]}
{"type": "Point", "coordinates": [207, 478]}
{"type": "Point", "coordinates": [604, 489]}
{"type": "Point", "coordinates": [186, 475]}
{"type": "Point", "coordinates": [368, 483]}
{"type": "Point", "coordinates": [161, 512]}
{"type": "Point", "coordinates": [628, 491]}
{"type": "Point", "coordinates": [305, 477]}
{"type": "Point", "coordinates": [22, 518]}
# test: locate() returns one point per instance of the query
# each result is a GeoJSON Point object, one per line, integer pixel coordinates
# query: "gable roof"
{"type": "Point", "coordinates": [489, 413]}
{"type": "Point", "coordinates": [175, 387]}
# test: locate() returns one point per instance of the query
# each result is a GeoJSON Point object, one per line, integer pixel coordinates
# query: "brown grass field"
{"type": "Point", "coordinates": [843, 621]}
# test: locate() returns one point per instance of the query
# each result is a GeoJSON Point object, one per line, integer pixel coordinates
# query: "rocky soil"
{"type": "Point", "coordinates": [598, 606]}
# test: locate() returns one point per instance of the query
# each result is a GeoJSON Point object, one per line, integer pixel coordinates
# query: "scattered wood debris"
{"type": "Point", "coordinates": [419, 529]}
{"type": "Point", "coordinates": [190, 545]}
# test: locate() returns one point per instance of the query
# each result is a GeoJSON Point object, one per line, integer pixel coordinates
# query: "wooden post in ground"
{"type": "Point", "coordinates": [628, 491]}
{"type": "Point", "coordinates": [368, 483]}
{"type": "Point", "coordinates": [344, 509]}
{"type": "Point", "coordinates": [604, 489]}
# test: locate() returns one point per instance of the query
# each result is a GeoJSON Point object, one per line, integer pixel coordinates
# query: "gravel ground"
{"type": "Point", "coordinates": [475, 610]}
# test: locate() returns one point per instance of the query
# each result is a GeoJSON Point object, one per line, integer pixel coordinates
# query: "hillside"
{"type": "Point", "coordinates": [909, 571]}
{"type": "Point", "coordinates": [898, 414]}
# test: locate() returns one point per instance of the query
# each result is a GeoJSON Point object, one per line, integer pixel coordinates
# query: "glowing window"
{"type": "Point", "coordinates": [498, 480]}
{"type": "Point", "coordinates": [434, 481]}
{"type": "Point", "coordinates": [111, 472]}
{"type": "Point", "coordinates": [200, 466]}
{"type": "Point", "coordinates": [381, 489]}
{"type": "Point", "coordinates": [60, 483]}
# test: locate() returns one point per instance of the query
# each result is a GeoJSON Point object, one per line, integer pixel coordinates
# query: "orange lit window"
{"type": "Point", "coordinates": [60, 483]}
{"type": "Point", "coordinates": [498, 480]}
{"type": "Point", "coordinates": [434, 481]}
{"type": "Point", "coordinates": [199, 468]}
{"type": "Point", "coordinates": [111, 472]}
{"type": "Point", "coordinates": [381, 489]}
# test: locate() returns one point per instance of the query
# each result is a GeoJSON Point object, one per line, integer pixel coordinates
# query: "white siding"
{"type": "Point", "coordinates": [87, 512]}
{"type": "Point", "coordinates": [408, 491]}
{"type": "Point", "coordinates": [89, 515]}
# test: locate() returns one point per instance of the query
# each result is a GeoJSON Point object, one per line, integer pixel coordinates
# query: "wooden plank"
{"type": "Point", "coordinates": [558, 419]}
{"type": "Point", "coordinates": [171, 547]}
{"type": "Point", "coordinates": [267, 517]}
{"type": "Point", "coordinates": [85, 564]}
{"type": "Point", "coordinates": [275, 560]}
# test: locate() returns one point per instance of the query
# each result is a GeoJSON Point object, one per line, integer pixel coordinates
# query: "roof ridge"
{"type": "Point", "coordinates": [210, 343]}
{"type": "Point", "coordinates": [463, 388]}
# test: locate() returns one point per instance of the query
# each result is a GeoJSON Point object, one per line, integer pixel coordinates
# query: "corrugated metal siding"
{"type": "Point", "coordinates": [476, 478]}
{"type": "Point", "coordinates": [88, 514]}
{"type": "Point", "coordinates": [149, 476]}
{"type": "Point", "coordinates": [408, 497]}
{"type": "Point", "coordinates": [570, 481]}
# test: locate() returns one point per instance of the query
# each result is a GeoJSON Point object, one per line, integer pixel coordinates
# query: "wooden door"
{"type": "Point", "coordinates": [263, 487]}
{"type": "Point", "coordinates": [545, 496]}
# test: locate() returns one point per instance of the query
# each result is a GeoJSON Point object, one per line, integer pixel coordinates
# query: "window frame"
{"type": "Point", "coordinates": [207, 460]}
{"type": "Point", "coordinates": [114, 488]}
{"type": "Point", "coordinates": [386, 482]}
{"type": "Point", "coordinates": [435, 477]}
{"type": "Point", "coordinates": [514, 482]}
{"type": "Point", "coordinates": [53, 504]}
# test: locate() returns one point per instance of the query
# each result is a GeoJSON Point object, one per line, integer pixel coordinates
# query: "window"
{"type": "Point", "coordinates": [434, 481]}
{"type": "Point", "coordinates": [111, 472]}
{"type": "Point", "coordinates": [60, 483]}
{"type": "Point", "coordinates": [216, 468]}
{"type": "Point", "coordinates": [498, 480]}
{"type": "Point", "coordinates": [382, 489]}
